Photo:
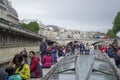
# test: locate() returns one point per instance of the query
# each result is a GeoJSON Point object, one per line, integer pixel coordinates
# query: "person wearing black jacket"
{"type": "Point", "coordinates": [117, 58]}
{"type": "Point", "coordinates": [43, 47]}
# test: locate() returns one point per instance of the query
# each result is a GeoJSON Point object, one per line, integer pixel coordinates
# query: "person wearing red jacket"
{"type": "Point", "coordinates": [35, 68]}
{"type": "Point", "coordinates": [103, 49]}
{"type": "Point", "coordinates": [47, 60]}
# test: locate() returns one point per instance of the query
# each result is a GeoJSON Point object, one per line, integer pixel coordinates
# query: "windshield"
{"type": "Point", "coordinates": [65, 69]}
{"type": "Point", "coordinates": [102, 69]}
{"type": "Point", "coordinates": [84, 67]}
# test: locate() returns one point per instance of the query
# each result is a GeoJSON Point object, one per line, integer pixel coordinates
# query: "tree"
{"type": "Point", "coordinates": [23, 25]}
{"type": "Point", "coordinates": [111, 33]}
{"type": "Point", "coordinates": [116, 23]}
{"type": "Point", "coordinates": [32, 26]}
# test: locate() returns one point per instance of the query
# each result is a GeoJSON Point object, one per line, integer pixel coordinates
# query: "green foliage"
{"type": "Point", "coordinates": [32, 26]}
{"type": "Point", "coordinates": [23, 25]}
{"type": "Point", "coordinates": [116, 27]}
{"type": "Point", "coordinates": [111, 33]}
{"type": "Point", "coordinates": [116, 23]}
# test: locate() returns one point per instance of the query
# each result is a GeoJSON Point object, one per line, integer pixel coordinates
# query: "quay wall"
{"type": "Point", "coordinates": [10, 52]}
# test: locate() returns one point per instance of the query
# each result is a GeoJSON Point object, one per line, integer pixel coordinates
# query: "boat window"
{"type": "Point", "coordinates": [65, 69]}
{"type": "Point", "coordinates": [102, 70]}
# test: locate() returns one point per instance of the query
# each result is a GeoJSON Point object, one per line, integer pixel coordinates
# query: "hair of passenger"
{"type": "Point", "coordinates": [32, 52]}
{"type": "Point", "coordinates": [18, 57]}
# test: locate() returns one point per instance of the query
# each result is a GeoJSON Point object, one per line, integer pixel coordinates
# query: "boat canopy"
{"type": "Point", "coordinates": [84, 67]}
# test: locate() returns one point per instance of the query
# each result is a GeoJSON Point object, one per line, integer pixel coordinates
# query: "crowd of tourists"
{"type": "Point", "coordinates": [113, 50]}
{"type": "Point", "coordinates": [21, 68]}
{"type": "Point", "coordinates": [26, 65]}
{"type": "Point", "coordinates": [82, 48]}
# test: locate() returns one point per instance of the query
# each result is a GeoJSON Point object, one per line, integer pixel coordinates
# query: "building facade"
{"type": "Point", "coordinates": [7, 12]}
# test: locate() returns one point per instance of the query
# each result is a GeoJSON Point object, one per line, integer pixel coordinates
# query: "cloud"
{"type": "Point", "coordinates": [95, 14]}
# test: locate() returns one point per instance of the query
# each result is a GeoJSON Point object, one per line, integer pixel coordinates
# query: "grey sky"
{"type": "Point", "coordinates": [84, 15]}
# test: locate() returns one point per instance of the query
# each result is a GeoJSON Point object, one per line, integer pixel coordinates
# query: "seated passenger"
{"type": "Point", "coordinates": [47, 60]}
{"type": "Point", "coordinates": [35, 68]}
{"type": "Point", "coordinates": [11, 73]}
{"type": "Point", "coordinates": [20, 67]}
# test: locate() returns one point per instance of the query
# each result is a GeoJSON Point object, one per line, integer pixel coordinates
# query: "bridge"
{"type": "Point", "coordinates": [66, 41]}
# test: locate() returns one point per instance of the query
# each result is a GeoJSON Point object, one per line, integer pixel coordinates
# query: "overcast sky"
{"type": "Point", "coordinates": [83, 15]}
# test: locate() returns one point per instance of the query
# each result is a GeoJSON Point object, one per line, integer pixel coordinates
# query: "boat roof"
{"type": "Point", "coordinates": [84, 67]}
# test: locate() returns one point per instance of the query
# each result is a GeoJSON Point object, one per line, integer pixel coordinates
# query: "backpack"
{"type": "Point", "coordinates": [40, 72]}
